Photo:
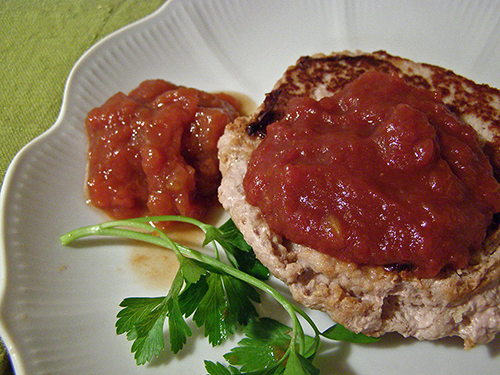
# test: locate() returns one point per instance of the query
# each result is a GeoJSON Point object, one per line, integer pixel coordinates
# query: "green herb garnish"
{"type": "Point", "coordinates": [219, 296]}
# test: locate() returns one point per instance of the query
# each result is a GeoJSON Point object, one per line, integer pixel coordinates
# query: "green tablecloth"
{"type": "Point", "coordinates": [40, 41]}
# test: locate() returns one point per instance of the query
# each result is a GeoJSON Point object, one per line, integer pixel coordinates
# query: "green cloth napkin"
{"type": "Point", "coordinates": [40, 41]}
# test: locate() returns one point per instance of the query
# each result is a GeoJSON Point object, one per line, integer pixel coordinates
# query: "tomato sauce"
{"type": "Point", "coordinates": [381, 173]}
{"type": "Point", "coordinates": [154, 151]}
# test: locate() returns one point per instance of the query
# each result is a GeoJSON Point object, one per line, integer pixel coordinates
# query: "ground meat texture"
{"type": "Point", "coordinates": [154, 151]}
{"type": "Point", "coordinates": [381, 173]}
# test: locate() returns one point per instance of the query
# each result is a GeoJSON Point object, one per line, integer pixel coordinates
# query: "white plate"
{"type": "Point", "coordinates": [59, 304]}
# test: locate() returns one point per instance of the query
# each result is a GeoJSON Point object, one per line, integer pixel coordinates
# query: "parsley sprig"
{"type": "Point", "coordinates": [219, 296]}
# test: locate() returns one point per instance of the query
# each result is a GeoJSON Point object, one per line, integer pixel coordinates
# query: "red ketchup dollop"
{"type": "Point", "coordinates": [381, 174]}
{"type": "Point", "coordinates": [154, 151]}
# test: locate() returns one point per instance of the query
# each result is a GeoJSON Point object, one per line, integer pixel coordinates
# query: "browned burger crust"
{"type": "Point", "coordinates": [368, 299]}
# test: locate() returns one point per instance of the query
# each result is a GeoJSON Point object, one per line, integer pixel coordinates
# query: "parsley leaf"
{"type": "Point", "coordinates": [219, 303]}
{"type": "Point", "coordinates": [142, 320]}
{"type": "Point", "coordinates": [231, 235]}
{"type": "Point", "coordinates": [266, 346]}
{"type": "Point", "coordinates": [212, 311]}
{"type": "Point", "coordinates": [298, 365]}
{"type": "Point", "coordinates": [190, 270]}
{"type": "Point", "coordinates": [340, 333]}
{"type": "Point", "coordinates": [177, 326]}
{"type": "Point", "coordinates": [241, 254]}
{"type": "Point", "coordinates": [219, 369]}
{"type": "Point", "coordinates": [240, 297]}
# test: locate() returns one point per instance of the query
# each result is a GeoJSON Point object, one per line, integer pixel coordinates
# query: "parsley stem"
{"type": "Point", "coordinates": [317, 333]}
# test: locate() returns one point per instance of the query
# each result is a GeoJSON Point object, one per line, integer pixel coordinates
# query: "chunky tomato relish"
{"type": "Point", "coordinates": [154, 151]}
{"type": "Point", "coordinates": [381, 173]}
